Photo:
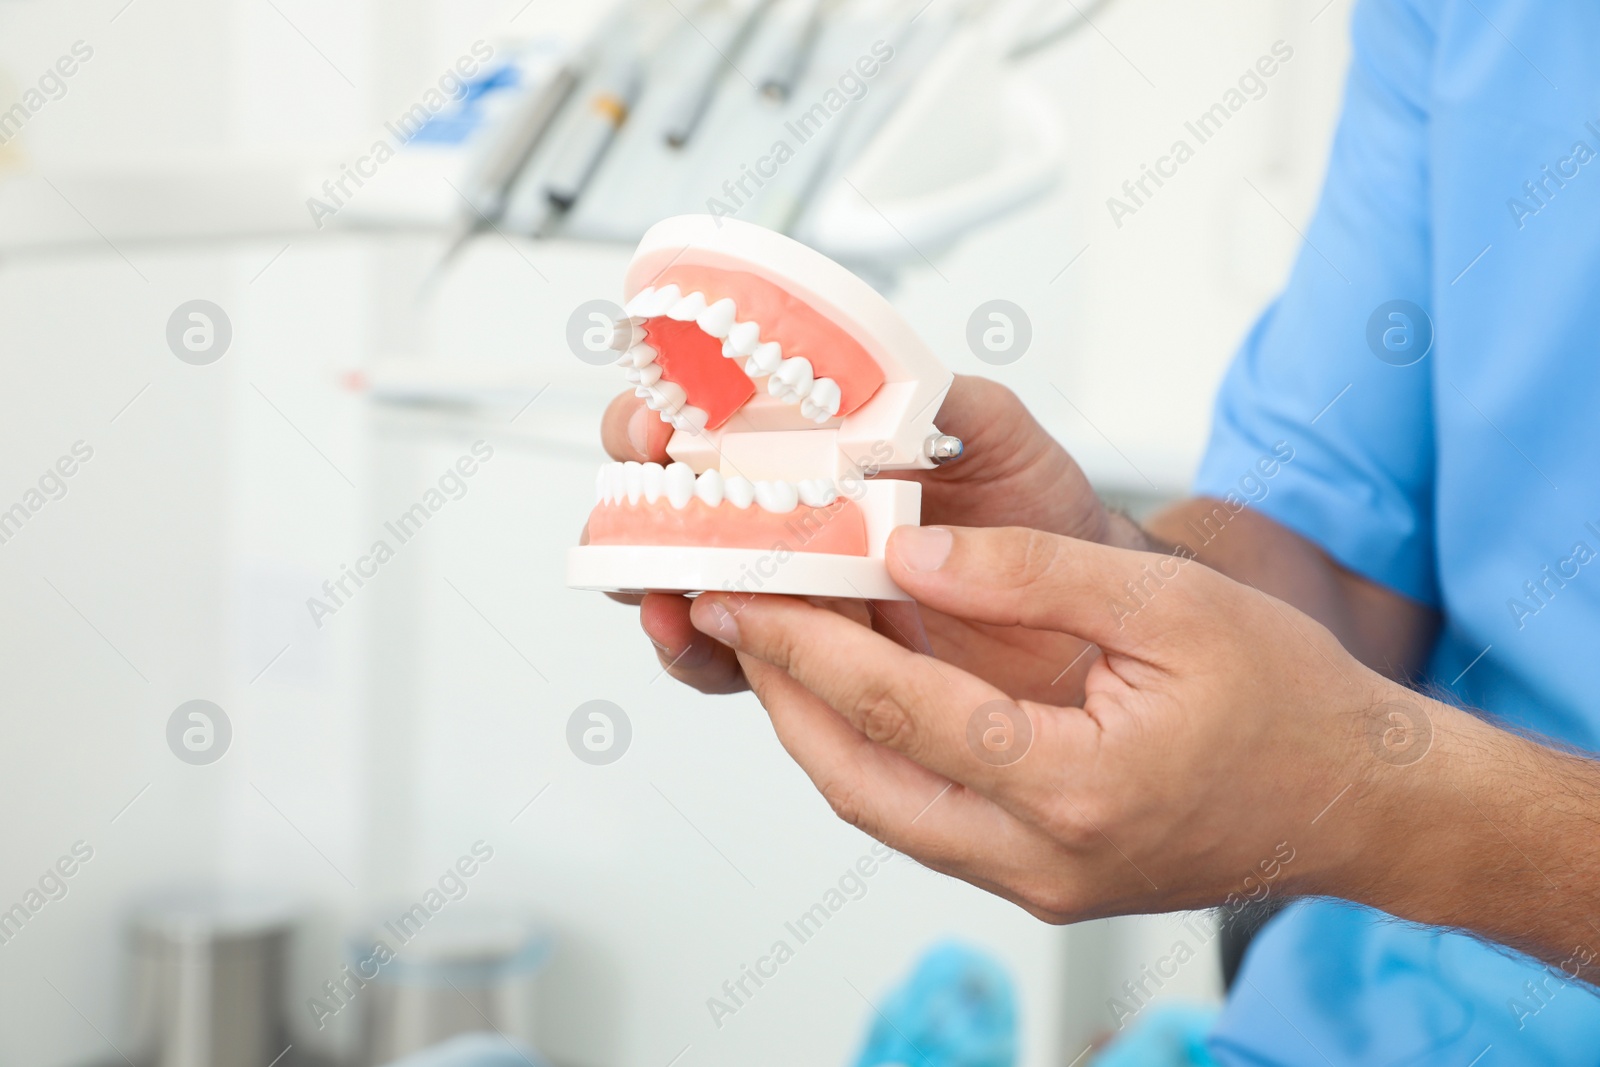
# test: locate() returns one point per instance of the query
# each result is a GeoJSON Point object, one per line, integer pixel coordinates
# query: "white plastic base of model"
{"type": "Point", "coordinates": [884, 505]}
{"type": "Point", "coordinates": [650, 568]}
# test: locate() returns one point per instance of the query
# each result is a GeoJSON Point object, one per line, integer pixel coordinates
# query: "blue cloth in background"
{"type": "Point", "coordinates": [1465, 180]}
{"type": "Point", "coordinates": [1166, 1035]}
{"type": "Point", "coordinates": [958, 1009]}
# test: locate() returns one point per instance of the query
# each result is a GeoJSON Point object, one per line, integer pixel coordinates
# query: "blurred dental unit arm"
{"type": "Point", "coordinates": [815, 104]}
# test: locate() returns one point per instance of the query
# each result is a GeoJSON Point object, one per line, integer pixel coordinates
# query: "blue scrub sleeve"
{"type": "Point", "coordinates": [1357, 428]}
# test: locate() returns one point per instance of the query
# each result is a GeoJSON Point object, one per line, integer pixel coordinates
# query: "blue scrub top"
{"type": "Point", "coordinates": [1462, 201]}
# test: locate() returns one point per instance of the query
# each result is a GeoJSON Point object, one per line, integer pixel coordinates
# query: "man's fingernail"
{"type": "Point", "coordinates": [923, 548]}
{"type": "Point", "coordinates": [717, 621]}
{"type": "Point", "coordinates": [639, 432]}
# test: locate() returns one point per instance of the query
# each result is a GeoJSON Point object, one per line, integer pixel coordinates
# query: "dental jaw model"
{"type": "Point", "coordinates": [789, 383]}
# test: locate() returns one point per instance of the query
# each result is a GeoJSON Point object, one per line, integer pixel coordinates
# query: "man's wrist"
{"type": "Point", "coordinates": [1400, 838]}
{"type": "Point", "coordinates": [1460, 824]}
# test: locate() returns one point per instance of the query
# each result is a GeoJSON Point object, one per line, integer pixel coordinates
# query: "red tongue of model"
{"type": "Point", "coordinates": [693, 359]}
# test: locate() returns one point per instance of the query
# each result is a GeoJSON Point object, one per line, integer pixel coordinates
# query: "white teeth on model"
{"type": "Point", "coordinates": [626, 334]}
{"type": "Point", "coordinates": [708, 487]}
{"type": "Point", "coordinates": [632, 481]}
{"type": "Point", "coordinates": [648, 374]}
{"type": "Point", "coordinates": [717, 319]}
{"type": "Point", "coordinates": [649, 302]}
{"type": "Point", "coordinates": [665, 396]}
{"type": "Point", "coordinates": [641, 303]}
{"type": "Point", "coordinates": [791, 382]}
{"type": "Point", "coordinates": [690, 419]}
{"type": "Point", "coordinates": [743, 337]}
{"type": "Point", "coordinates": [650, 480]}
{"type": "Point", "coordinates": [817, 492]}
{"type": "Point", "coordinates": [663, 298]}
{"type": "Point", "coordinates": [780, 497]}
{"type": "Point", "coordinates": [739, 492]}
{"type": "Point", "coordinates": [649, 483]}
{"type": "Point", "coordinates": [689, 308]}
{"type": "Point", "coordinates": [764, 360]}
{"type": "Point", "coordinates": [678, 481]}
{"type": "Point", "coordinates": [822, 403]}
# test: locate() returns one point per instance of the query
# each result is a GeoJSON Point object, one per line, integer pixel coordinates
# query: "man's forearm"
{"type": "Point", "coordinates": [1488, 832]}
{"type": "Point", "coordinates": [1382, 629]}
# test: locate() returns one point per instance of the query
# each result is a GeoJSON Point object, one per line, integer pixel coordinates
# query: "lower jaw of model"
{"type": "Point", "coordinates": [647, 504]}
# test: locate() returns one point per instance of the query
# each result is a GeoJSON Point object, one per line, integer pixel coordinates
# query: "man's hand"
{"type": "Point", "coordinates": [1219, 730]}
{"type": "Point", "coordinates": [1012, 473]}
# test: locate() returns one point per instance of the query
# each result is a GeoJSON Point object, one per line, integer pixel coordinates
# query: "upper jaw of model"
{"type": "Point", "coordinates": [788, 382]}
{"type": "Point", "coordinates": [792, 379]}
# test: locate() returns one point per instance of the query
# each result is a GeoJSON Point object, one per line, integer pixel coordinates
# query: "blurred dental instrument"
{"type": "Point", "coordinates": [726, 30]}
{"type": "Point", "coordinates": [788, 61]}
{"type": "Point", "coordinates": [507, 154]}
{"type": "Point", "coordinates": [504, 159]}
{"type": "Point", "coordinates": [585, 145]}
{"type": "Point", "coordinates": [914, 40]}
